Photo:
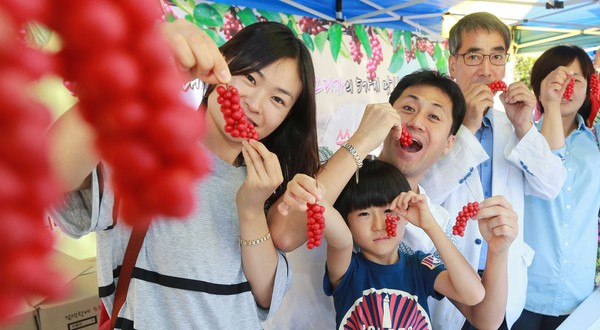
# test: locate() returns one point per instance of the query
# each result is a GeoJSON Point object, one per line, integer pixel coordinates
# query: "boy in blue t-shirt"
{"type": "Point", "coordinates": [379, 286]}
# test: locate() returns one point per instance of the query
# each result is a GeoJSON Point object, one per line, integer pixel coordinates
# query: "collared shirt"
{"type": "Point", "coordinates": [486, 137]}
{"type": "Point", "coordinates": [563, 231]}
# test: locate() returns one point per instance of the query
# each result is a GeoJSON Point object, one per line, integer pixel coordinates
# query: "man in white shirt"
{"type": "Point", "coordinates": [495, 153]}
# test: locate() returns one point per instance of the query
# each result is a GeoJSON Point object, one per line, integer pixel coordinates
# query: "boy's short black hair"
{"type": "Point", "coordinates": [379, 183]}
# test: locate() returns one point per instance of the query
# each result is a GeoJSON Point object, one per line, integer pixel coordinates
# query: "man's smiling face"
{"type": "Point", "coordinates": [426, 113]}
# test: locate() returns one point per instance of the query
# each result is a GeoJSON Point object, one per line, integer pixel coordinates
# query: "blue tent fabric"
{"type": "Point", "coordinates": [576, 24]}
{"type": "Point", "coordinates": [426, 14]}
{"type": "Point", "coordinates": [545, 24]}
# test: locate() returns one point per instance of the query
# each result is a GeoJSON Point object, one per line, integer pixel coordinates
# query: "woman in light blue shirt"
{"type": "Point", "coordinates": [563, 231]}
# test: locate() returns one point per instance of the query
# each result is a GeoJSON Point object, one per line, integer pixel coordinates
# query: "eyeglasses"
{"type": "Point", "coordinates": [474, 59]}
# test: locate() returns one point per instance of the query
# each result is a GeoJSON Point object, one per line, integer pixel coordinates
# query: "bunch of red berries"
{"type": "Point", "coordinates": [355, 52]}
{"type": "Point", "coordinates": [376, 56]}
{"type": "Point", "coordinates": [231, 24]}
{"type": "Point", "coordinates": [27, 187]}
{"type": "Point", "coordinates": [405, 138]}
{"type": "Point", "coordinates": [468, 211]}
{"type": "Point", "coordinates": [410, 51]}
{"type": "Point", "coordinates": [129, 92]}
{"type": "Point", "coordinates": [315, 224]}
{"type": "Point", "coordinates": [312, 26]}
{"type": "Point", "coordinates": [497, 86]}
{"type": "Point", "coordinates": [424, 45]}
{"type": "Point", "coordinates": [569, 90]}
{"type": "Point", "coordinates": [236, 122]}
{"type": "Point", "coordinates": [391, 225]}
{"type": "Point", "coordinates": [594, 84]}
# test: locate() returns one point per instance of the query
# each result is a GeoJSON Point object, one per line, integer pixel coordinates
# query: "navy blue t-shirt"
{"type": "Point", "coordinates": [386, 296]}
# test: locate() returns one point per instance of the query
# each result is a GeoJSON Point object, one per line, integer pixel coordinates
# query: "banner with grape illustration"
{"type": "Point", "coordinates": [354, 64]}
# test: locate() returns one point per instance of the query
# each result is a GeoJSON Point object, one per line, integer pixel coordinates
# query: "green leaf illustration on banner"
{"type": "Point", "coordinates": [364, 39]}
{"type": "Point", "coordinates": [437, 52]}
{"type": "Point", "coordinates": [344, 51]}
{"type": "Point", "coordinates": [222, 9]}
{"type": "Point", "coordinates": [308, 41]}
{"type": "Point", "coordinates": [320, 40]}
{"type": "Point", "coordinates": [247, 16]}
{"type": "Point", "coordinates": [190, 18]}
{"type": "Point", "coordinates": [422, 58]}
{"type": "Point", "coordinates": [442, 65]}
{"type": "Point", "coordinates": [383, 33]}
{"type": "Point", "coordinates": [291, 23]}
{"type": "Point", "coordinates": [207, 16]}
{"type": "Point", "coordinates": [215, 36]}
{"type": "Point", "coordinates": [396, 39]}
{"type": "Point", "coordinates": [270, 15]}
{"type": "Point", "coordinates": [407, 40]}
{"type": "Point", "coordinates": [397, 60]}
{"type": "Point", "coordinates": [335, 40]}
{"type": "Point", "coordinates": [186, 5]}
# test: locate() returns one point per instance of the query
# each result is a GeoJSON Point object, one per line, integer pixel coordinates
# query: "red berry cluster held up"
{"type": "Point", "coordinates": [497, 86]}
{"type": "Point", "coordinates": [236, 122]}
{"type": "Point", "coordinates": [129, 92]}
{"type": "Point", "coordinates": [27, 186]}
{"type": "Point", "coordinates": [405, 138]}
{"type": "Point", "coordinates": [569, 90]}
{"type": "Point", "coordinates": [315, 224]}
{"type": "Point", "coordinates": [594, 84]}
{"type": "Point", "coordinates": [468, 211]}
{"type": "Point", "coordinates": [391, 225]}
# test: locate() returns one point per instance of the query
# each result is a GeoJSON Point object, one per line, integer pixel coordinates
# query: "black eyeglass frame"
{"type": "Point", "coordinates": [489, 56]}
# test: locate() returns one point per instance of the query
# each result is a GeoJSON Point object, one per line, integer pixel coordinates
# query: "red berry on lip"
{"type": "Point", "coordinates": [497, 86]}
{"type": "Point", "coordinates": [236, 123]}
{"type": "Point", "coordinates": [405, 138]}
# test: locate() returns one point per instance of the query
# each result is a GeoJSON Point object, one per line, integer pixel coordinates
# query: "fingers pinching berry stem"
{"type": "Point", "coordinates": [468, 211]}
{"type": "Point", "coordinates": [236, 122]}
{"type": "Point", "coordinates": [315, 224]}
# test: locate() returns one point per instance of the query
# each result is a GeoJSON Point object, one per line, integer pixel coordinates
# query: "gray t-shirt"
{"type": "Point", "coordinates": [188, 274]}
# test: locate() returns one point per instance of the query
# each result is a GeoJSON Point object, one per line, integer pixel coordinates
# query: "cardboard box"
{"type": "Point", "coordinates": [24, 320]}
{"type": "Point", "coordinates": [69, 268]}
{"type": "Point", "coordinates": [79, 311]}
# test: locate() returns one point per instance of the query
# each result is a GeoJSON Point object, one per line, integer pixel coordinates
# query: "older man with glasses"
{"type": "Point", "coordinates": [495, 153]}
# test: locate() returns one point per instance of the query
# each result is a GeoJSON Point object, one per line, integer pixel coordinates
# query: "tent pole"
{"type": "Point", "coordinates": [338, 11]}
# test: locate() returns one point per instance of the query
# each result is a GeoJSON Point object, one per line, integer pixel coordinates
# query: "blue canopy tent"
{"type": "Point", "coordinates": [537, 24]}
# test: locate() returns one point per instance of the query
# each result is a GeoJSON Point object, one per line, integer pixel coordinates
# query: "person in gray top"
{"type": "Point", "coordinates": [218, 268]}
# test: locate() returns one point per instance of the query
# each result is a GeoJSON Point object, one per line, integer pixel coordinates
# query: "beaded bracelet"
{"type": "Point", "coordinates": [257, 241]}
